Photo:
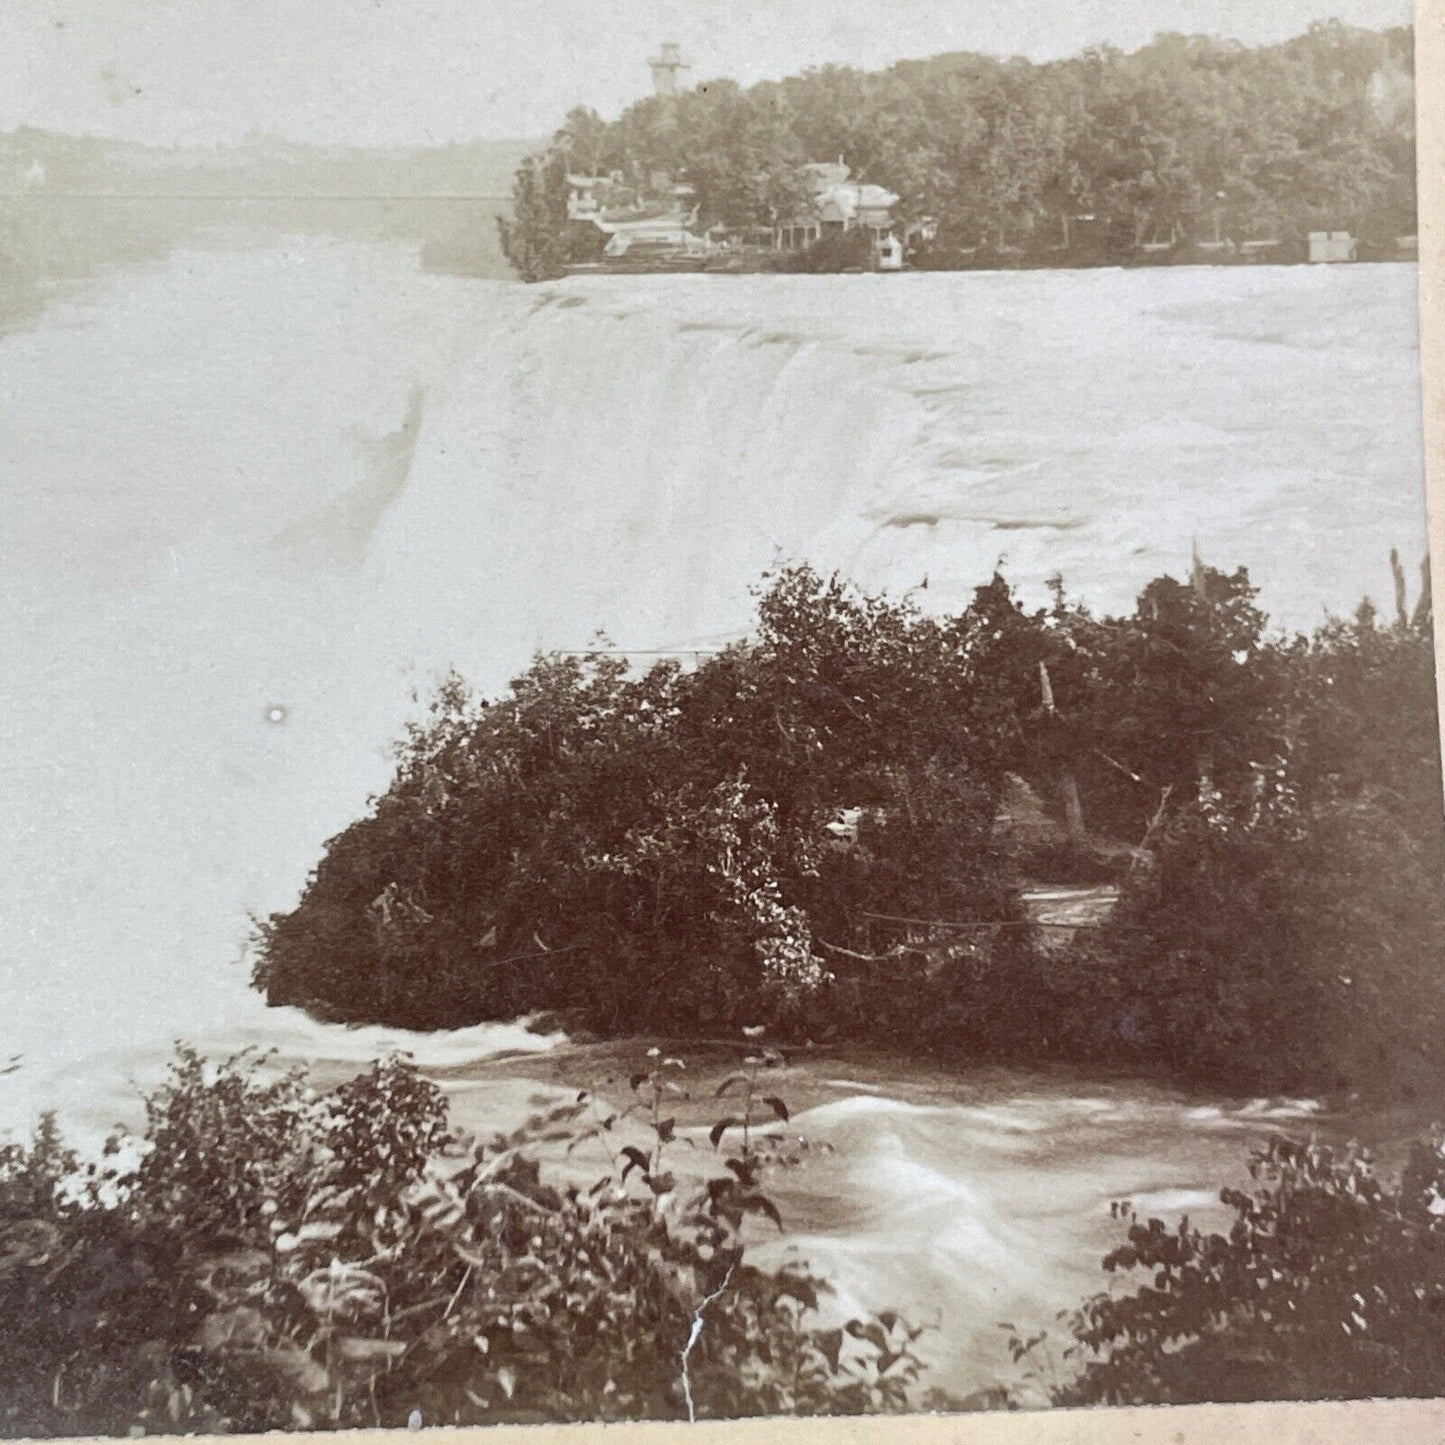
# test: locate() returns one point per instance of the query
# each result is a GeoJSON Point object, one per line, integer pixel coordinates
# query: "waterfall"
{"type": "Point", "coordinates": [260, 499]}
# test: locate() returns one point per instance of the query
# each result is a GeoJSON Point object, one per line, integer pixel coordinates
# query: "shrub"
{"type": "Point", "coordinates": [283, 1258]}
{"type": "Point", "coordinates": [1329, 1285]}
{"type": "Point", "coordinates": [837, 251]}
{"type": "Point", "coordinates": [1287, 933]}
{"type": "Point", "coordinates": [1284, 953]}
{"type": "Point", "coordinates": [594, 835]}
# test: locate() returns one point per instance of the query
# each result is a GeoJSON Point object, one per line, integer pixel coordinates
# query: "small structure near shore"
{"type": "Point", "coordinates": [839, 206]}
{"type": "Point", "coordinates": [1332, 247]}
{"type": "Point", "coordinates": [617, 222]}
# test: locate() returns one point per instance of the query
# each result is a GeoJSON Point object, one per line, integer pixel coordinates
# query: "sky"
{"type": "Point", "coordinates": [402, 72]}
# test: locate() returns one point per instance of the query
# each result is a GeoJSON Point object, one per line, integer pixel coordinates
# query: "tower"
{"type": "Point", "coordinates": [668, 68]}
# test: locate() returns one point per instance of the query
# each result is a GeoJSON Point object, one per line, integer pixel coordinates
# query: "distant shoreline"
{"type": "Point", "coordinates": [765, 264]}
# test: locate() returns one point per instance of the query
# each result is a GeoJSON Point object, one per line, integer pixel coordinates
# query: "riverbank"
{"type": "Point", "coordinates": [846, 1204]}
{"type": "Point", "coordinates": [765, 262]}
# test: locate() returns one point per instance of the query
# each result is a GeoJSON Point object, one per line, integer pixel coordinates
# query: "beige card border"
{"type": "Point", "coordinates": [1361, 1423]}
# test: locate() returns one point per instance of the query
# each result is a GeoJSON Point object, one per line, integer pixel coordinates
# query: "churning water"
{"type": "Point", "coordinates": [252, 500]}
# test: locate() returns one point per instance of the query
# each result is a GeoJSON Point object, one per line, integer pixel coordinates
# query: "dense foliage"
{"type": "Point", "coordinates": [274, 1257]}
{"type": "Point", "coordinates": [597, 837]}
{"type": "Point", "coordinates": [1284, 929]}
{"type": "Point", "coordinates": [270, 1256]}
{"type": "Point", "coordinates": [809, 830]}
{"type": "Point", "coordinates": [534, 237]}
{"type": "Point", "coordinates": [1330, 1284]}
{"type": "Point", "coordinates": [1189, 139]}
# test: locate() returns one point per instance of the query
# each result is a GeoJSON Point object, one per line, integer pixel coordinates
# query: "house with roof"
{"type": "Point", "coordinates": [839, 205]}
{"type": "Point", "coordinates": [612, 221]}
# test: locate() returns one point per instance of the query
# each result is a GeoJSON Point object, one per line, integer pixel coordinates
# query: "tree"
{"type": "Point", "coordinates": [535, 237]}
{"type": "Point", "coordinates": [1184, 137]}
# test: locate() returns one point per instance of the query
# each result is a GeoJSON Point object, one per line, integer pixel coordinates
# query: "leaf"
{"type": "Point", "coordinates": [745, 1169]}
{"type": "Point", "coordinates": [730, 1082]}
{"type": "Point", "coordinates": [636, 1159]}
{"type": "Point", "coordinates": [831, 1345]}
{"type": "Point", "coordinates": [637, 1080]}
{"type": "Point", "coordinates": [761, 1204]}
{"type": "Point", "coordinates": [777, 1106]}
{"type": "Point", "coordinates": [666, 1131]}
{"type": "Point", "coordinates": [800, 1288]}
{"type": "Point", "coordinates": [716, 1132]}
{"type": "Point", "coordinates": [584, 1136]}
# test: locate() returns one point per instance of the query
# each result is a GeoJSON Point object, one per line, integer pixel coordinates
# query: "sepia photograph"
{"type": "Point", "coordinates": [713, 711]}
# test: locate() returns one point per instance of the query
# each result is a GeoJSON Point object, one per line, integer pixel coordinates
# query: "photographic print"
{"type": "Point", "coordinates": [713, 711]}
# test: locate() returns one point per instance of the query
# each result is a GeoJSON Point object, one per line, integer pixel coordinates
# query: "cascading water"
{"type": "Point", "coordinates": [254, 500]}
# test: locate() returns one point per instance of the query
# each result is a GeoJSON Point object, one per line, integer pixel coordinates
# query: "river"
{"type": "Point", "coordinates": [255, 500]}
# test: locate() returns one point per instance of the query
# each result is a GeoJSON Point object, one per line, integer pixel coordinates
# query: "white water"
{"type": "Point", "coordinates": [294, 484]}
{"type": "Point", "coordinates": [964, 1201]}
{"type": "Point", "coordinates": [203, 519]}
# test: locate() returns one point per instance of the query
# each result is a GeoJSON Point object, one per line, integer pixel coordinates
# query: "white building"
{"type": "Point", "coordinates": [840, 205]}
{"type": "Point", "coordinates": [669, 69]}
{"type": "Point", "coordinates": [1328, 247]}
{"type": "Point", "coordinates": [592, 202]}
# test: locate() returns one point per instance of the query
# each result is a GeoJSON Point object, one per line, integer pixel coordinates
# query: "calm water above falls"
{"type": "Point", "coordinates": [250, 501]}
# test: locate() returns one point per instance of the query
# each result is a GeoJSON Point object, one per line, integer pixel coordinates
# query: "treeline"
{"type": "Point", "coordinates": [808, 830]}
{"type": "Point", "coordinates": [1188, 139]}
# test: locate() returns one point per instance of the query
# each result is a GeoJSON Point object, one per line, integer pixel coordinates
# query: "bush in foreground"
{"type": "Point", "coordinates": [279, 1258]}
{"type": "Point", "coordinates": [1329, 1285]}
